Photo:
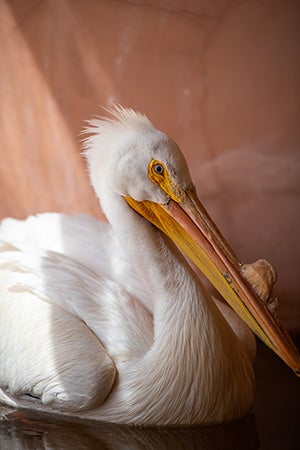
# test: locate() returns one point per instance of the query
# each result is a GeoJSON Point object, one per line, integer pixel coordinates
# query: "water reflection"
{"type": "Point", "coordinates": [19, 431]}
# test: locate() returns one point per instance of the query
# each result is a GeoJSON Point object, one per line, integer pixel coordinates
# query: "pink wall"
{"type": "Point", "coordinates": [221, 77]}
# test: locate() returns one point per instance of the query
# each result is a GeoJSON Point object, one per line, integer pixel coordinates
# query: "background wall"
{"type": "Point", "coordinates": [221, 77]}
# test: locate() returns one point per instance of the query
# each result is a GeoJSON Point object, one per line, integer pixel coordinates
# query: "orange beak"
{"type": "Point", "coordinates": [188, 224]}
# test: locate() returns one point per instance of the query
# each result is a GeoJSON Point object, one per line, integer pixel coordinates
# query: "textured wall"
{"type": "Point", "coordinates": [221, 77]}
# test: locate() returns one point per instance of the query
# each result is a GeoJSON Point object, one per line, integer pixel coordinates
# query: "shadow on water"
{"type": "Point", "coordinates": [21, 430]}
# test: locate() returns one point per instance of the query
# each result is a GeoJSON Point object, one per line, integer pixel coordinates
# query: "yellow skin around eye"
{"type": "Point", "coordinates": [163, 180]}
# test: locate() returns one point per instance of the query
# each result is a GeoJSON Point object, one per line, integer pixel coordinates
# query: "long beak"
{"type": "Point", "coordinates": [189, 226]}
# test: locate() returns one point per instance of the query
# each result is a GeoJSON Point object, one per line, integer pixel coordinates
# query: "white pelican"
{"type": "Point", "coordinates": [109, 322]}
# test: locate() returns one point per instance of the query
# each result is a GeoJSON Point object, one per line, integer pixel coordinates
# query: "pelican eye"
{"type": "Point", "coordinates": [158, 168]}
{"type": "Point", "coordinates": [158, 173]}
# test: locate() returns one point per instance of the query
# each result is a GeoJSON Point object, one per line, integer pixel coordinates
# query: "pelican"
{"type": "Point", "coordinates": [109, 322]}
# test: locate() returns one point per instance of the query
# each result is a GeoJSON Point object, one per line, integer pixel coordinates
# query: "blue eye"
{"type": "Point", "coordinates": [158, 168]}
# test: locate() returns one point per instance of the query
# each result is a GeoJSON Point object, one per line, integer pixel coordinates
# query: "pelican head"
{"type": "Point", "coordinates": [139, 156]}
{"type": "Point", "coordinates": [145, 168]}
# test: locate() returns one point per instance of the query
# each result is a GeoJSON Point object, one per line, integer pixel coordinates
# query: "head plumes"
{"type": "Point", "coordinates": [120, 121]}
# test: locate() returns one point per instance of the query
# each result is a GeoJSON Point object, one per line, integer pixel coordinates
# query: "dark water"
{"type": "Point", "coordinates": [274, 424]}
{"type": "Point", "coordinates": [23, 432]}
